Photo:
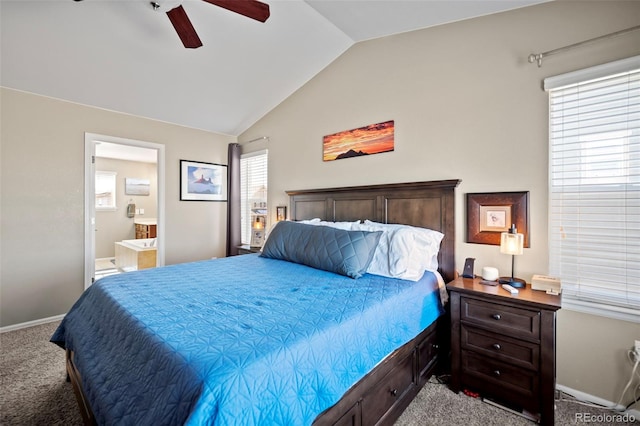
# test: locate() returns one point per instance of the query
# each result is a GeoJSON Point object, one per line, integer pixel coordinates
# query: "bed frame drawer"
{"type": "Point", "coordinates": [391, 389]}
{"type": "Point", "coordinates": [427, 356]}
{"type": "Point", "coordinates": [351, 417]}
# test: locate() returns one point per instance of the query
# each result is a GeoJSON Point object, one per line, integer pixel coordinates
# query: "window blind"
{"type": "Point", "coordinates": [594, 188]}
{"type": "Point", "coordinates": [253, 189]}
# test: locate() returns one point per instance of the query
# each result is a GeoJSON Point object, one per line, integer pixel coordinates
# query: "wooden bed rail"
{"type": "Point", "coordinates": [76, 381]}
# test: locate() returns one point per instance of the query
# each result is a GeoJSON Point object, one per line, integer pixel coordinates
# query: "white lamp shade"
{"type": "Point", "coordinates": [257, 233]}
{"type": "Point", "coordinates": [511, 243]}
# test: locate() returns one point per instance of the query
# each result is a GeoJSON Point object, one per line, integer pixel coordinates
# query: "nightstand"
{"type": "Point", "coordinates": [247, 249]}
{"type": "Point", "coordinates": [503, 346]}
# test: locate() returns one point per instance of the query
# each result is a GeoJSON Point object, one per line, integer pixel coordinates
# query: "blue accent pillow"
{"type": "Point", "coordinates": [344, 252]}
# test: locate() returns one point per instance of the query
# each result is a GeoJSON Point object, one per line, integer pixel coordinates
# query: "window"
{"type": "Point", "coordinates": [253, 191]}
{"type": "Point", "coordinates": [594, 188]}
{"type": "Point", "coordinates": [105, 190]}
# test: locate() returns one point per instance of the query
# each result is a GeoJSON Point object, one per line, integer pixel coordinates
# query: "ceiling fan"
{"type": "Point", "coordinates": [178, 16]}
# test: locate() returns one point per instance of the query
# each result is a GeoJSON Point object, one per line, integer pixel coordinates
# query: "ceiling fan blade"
{"type": "Point", "coordinates": [184, 28]}
{"type": "Point", "coordinates": [250, 8]}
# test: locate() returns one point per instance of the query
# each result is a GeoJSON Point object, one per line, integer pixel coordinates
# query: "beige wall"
{"type": "Point", "coordinates": [112, 226]}
{"type": "Point", "coordinates": [466, 105]}
{"type": "Point", "coordinates": [42, 210]}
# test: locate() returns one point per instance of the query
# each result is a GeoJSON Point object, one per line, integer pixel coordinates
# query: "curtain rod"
{"type": "Point", "coordinates": [255, 140]}
{"type": "Point", "coordinates": [537, 57]}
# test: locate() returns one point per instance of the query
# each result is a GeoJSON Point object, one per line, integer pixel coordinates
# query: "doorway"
{"type": "Point", "coordinates": [100, 148]}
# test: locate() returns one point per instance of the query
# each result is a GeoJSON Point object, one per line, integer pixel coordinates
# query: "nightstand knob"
{"type": "Point", "coordinates": [496, 316]}
{"type": "Point", "coordinates": [394, 392]}
{"type": "Point", "coordinates": [497, 346]}
{"type": "Point", "coordinates": [496, 372]}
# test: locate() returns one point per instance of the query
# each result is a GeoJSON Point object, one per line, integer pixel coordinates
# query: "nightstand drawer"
{"type": "Point", "coordinates": [513, 321]}
{"type": "Point", "coordinates": [500, 375]}
{"type": "Point", "coordinates": [517, 352]}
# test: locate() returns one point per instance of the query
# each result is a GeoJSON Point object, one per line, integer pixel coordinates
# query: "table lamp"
{"type": "Point", "coordinates": [512, 243]}
{"type": "Point", "coordinates": [257, 233]}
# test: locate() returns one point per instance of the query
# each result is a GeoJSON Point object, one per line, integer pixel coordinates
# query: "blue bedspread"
{"type": "Point", "coordinates": [223, 342]}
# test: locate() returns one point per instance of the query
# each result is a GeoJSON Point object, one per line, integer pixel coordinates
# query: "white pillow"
{"type": "Point", "coordinates": [403, 251]}
{"type": "Point", "coordinates": [347, 226]}
{"type": "Point", "coordinates": [426, 239]}
{"type": "Point", "coordinates": [380, 263]}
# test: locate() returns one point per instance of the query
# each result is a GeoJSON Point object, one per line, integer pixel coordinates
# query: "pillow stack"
{"type": "Point", "coordinates": [400, 251]}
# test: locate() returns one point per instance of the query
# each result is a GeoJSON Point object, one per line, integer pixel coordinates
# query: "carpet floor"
{"type": "Point", "coordinates": [33, 380]}
{"type": "Point", "coordinates": [34, 391]}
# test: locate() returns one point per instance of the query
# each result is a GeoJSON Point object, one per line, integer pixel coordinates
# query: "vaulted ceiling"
{"type": "Point", "coordinates": [123, 55]}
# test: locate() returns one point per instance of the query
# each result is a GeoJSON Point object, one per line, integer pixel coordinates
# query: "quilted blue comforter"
{"type": "Point", "coordinates": [242, 340]}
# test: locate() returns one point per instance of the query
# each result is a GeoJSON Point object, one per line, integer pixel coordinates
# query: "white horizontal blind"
{"type": "Point", "coordinates": [253, 188]}
{"type": "Point", "coordinates": [594, 193]}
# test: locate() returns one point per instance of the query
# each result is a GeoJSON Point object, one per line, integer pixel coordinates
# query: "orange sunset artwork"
{"type": "Point", "coordinates": [371, 139]}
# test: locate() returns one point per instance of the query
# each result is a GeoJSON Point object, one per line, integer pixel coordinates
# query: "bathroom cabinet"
{"type": "Point", "coordinates": [145, 230]}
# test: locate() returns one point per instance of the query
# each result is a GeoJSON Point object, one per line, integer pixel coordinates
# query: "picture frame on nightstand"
{"type": "Point", "coordinates": [281, 213]}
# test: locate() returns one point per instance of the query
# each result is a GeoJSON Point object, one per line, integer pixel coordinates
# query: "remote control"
{"type": "Point", "coordinates": [510, 289]}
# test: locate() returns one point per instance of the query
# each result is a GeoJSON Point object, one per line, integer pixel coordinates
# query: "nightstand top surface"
{"type": "Point", "coordinates": [248, 248]}
{"type": "Point", "coordinates": [472, 285]}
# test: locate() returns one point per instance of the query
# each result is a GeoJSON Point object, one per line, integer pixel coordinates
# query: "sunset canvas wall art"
{"type": "Point", "coordinates": [367, 140]}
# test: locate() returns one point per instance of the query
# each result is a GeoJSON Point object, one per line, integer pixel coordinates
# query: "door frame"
{"type": "Point", "coordinates": [90, 140]}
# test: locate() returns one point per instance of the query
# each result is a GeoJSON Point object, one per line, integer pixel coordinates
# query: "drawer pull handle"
{"type": "Point", "coordinates": [394, 392]}
{"type": "Point", "coordinates": [496, 372]}
{"type": "Point", "coordinates": [496, 316]}
{"type": "Point", "coordinates": [497, 346]}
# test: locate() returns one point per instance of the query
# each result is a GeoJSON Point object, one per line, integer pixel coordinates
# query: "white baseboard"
{"type": "Point", "coordinates": [585, 397]}
{"type": "Point", "coordinates": [31, 323]}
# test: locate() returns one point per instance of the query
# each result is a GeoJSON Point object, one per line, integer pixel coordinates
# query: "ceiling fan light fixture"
{"type": "Point", "coordinates": [253, 9]}
{"type": "Point", "coordinates": [165, 5]}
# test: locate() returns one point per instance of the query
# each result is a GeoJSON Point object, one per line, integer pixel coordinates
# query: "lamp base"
{"type": "Point", "coordinates": [513, 282]}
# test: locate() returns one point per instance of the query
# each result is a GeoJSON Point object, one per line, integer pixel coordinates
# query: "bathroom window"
{"type": "Point", "coordinates": [105, 190]}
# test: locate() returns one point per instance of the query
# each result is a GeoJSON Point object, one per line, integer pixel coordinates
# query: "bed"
{"type": "Point", "coordinates": [258, 339]}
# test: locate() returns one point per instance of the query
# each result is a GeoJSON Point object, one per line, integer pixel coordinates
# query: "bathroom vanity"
{"type": "Point", "coordinates": [146, 228]}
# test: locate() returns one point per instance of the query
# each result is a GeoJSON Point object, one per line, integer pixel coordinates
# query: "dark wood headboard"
{"type": "Point", "coordinates": [425, 204]}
